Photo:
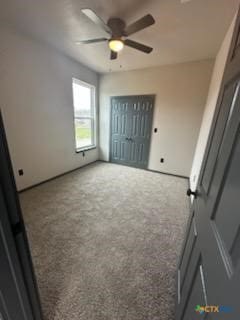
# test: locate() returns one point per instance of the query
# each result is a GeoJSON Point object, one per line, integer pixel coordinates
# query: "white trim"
{"type": "Point", "coordinates": [83, 83]}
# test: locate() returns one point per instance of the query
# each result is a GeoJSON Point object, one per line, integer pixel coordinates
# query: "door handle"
{"type": "Point", "coordinates": [127, 138]}
{"type": "Point", "coordinates": [192, 193]}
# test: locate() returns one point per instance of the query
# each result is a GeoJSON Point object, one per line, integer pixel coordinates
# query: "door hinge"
{"type": "Point", "coordinates": [192, 193]}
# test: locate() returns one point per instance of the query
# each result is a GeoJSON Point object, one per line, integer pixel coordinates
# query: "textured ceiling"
{"type": "Point", "coordinates": [183, 32]}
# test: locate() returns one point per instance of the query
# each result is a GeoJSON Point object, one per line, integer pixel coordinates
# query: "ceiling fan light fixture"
{"type": "Point", "coordinates": [116, 45]}
{"type": "Point", "coordinates": [119, 32]}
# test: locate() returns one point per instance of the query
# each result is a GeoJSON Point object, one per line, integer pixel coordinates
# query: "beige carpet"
{"type": "Point", "coordinates": [105, 242]}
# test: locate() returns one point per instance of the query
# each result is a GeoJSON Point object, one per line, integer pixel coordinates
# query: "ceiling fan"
{"type": "Point", "coordinates": [118, 32]}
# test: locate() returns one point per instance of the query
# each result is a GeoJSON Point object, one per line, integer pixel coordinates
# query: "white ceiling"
{"type": "Point", "coordinates": [187, 31]}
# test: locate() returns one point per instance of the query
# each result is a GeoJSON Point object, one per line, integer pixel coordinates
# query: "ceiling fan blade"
{"type": "Point", "coordinates": [98, 21]}
{"type": "Point", "coordinates": [138, 46]}
{"type": "Point", "coordinates": [91, 41]}
{"type": "Point", "coordinates": [140, 24]}
{"type": "Point", "coordinates": [113, 55]}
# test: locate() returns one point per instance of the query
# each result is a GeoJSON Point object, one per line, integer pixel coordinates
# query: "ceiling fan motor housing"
{"type": "Point", "coordinates": [117, 26]}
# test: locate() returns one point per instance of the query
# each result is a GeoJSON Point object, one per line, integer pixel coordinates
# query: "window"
{"type": "Point", "coordinates": [84, 114]}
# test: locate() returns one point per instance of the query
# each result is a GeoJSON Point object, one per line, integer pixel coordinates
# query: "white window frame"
{"type": "Point", "coordinates": [92, 117]}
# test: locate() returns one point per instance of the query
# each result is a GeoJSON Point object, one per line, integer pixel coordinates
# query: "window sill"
{"type": "Point", "coordinates": [85, 149]}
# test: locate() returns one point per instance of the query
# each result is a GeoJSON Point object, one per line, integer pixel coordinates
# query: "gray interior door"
{"type": "Point", "coordinates": [19, 298]}
{"type": "Point", "coordinates": [209, 267]}
{"type": "Point", "coordinates": [131, 125]}
{"type": "Point", "coordinates": [14, 302]}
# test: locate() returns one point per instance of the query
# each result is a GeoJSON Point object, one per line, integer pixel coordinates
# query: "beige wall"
{"type": "Point", "coordinates": [36, 101]}
{"type": "Point", "coordinates": [210, 106]}
{"type": "Point", "coordinates": [181, 92]}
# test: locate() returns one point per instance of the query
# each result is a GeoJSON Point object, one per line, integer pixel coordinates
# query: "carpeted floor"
{"type": "Point", "coordinates": [105, 241]}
